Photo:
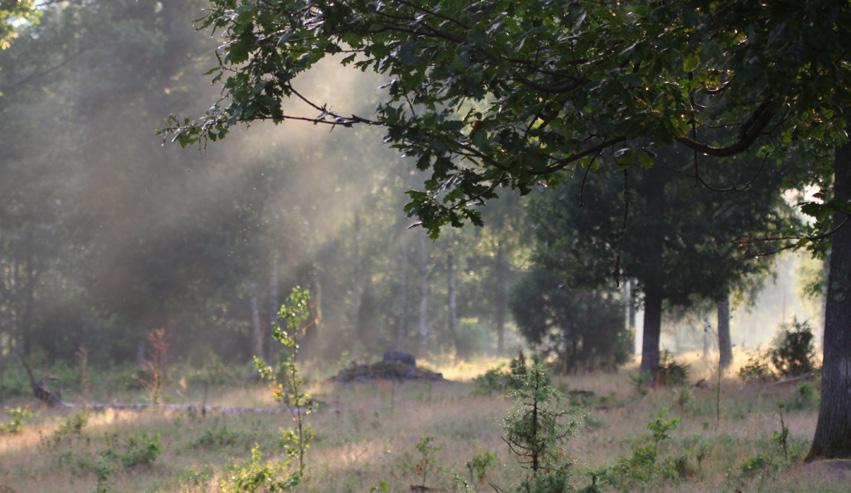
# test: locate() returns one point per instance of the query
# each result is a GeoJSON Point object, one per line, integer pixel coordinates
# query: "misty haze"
{"type": "Point", "coordinates": [425, 246]}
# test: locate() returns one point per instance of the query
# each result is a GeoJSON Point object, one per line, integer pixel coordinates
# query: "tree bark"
{"type": "Point", "coordinates": [652, 329]}
{"type": "Point", "coordinates": [499, 297]}
{"type": "Point", "coordinates": [452, 301]}
{"type": "Point", "coordinates": [725, 345]}
{"type": "Point", "coordinates": [833, 429]}
{"type": "Point", "coordinates": [423, 271]}
{"type": "Point", "coordinates": [629, 308]}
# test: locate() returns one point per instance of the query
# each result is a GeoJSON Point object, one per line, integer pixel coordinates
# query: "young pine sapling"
{"type": "Point", "coordinates": [535, 431]}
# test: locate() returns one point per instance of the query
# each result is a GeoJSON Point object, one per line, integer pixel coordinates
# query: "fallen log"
{"type": "Point", "coordinates": [143, 406]}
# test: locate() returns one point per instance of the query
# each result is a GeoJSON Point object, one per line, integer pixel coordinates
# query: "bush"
{"type": "Point", "coordinates": [645, 464]}
{"type": "Point", "coordinates": [478, 466]}
{"type": "Point", "coordinates": [259, 476]}
{"type": "Point", "coordinates": [17, 416]}
{"type": "Point", "coordinates": [141, 450]}
{"type": "Point", "coordinates": [794, 353]}
{"type": "Point", "coordinates": [756, 463]}
{"type": "Point", "coordinates": [671, 372]}
{"type": "Point", "coordinates": [69, 428]}
{"type": "Point", "coordinates": [757, 369]}
{"type": "Point", "coordinates": [500, 380]}
{"type": "Point", "coordinates": [803, 397]}
{"type": "Point", "coordinates": [217, 437]}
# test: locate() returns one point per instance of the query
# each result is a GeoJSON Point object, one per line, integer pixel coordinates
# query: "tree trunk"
{"type": "Point", "coordinates": [653, 187]}
{"type": "Point", "coordinates": [825, 273]}
{"type": "Point", "coordinates": [423, 271]}
{"type": "Point", "coordinates": [257, 336]}
{"type": "Point", "coordinates": [452, 301]}
{"type": "Point", "coordinates": [357, 282]}
{"type": "Point", "coordinates": [725, 345]}
{"type": "Point", "coordinates": [15, 308]}
{"type": "Point", "coordinates": [833, 429]}
{"type": "Point", "coordinates": [402, 299]}
{"type": "Point", "coordinates": [316, 301]}
{"type": "Point", "coordinates": [499, 297]}
{"type": "Point", "coordinates": [652, 330]}
{"type": "Point", "coordinates": [29, 294]}
{"type": "Point", "coordinates": [274, 295]}
{"type": "Point", "coordinates": [629, 307]}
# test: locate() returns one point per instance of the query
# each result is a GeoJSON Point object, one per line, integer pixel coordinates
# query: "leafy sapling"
{"type": "Point", "coordinates": [781, 437]}
{"type": "Point", "coordinates": [286, 378]}
{"type": "Point", "coordinates": [427, 461]}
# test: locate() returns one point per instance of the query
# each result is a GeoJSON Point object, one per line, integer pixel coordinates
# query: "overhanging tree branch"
{"type": "Point", "coordinates": [750, 131]}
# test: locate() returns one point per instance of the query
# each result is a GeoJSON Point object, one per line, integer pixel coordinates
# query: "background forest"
{"type": "Point", "coordinates": [109, 232]}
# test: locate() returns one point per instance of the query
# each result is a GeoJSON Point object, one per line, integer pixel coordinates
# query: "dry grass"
{"type": "Point", "coordinates": [366, 433]}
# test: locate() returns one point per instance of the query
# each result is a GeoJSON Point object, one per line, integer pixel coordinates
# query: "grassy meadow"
{"type": "Point", "coordinates": [366, 436]}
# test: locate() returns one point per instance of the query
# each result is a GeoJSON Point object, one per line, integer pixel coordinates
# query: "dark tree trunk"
{"type": "Point", "coordinates": [833, 430]}
{"type": "Point", "coordinates": [629, 304]}
{"type": "Point", "coordinates": [631, 307]}
{"type": "Point", "coordinates": [652, 329]}
{"type": "Point", "coordinates": [653, 187]}
{"type": "Point", "coordinates": [725, 345]}
{"type": "Point", "coordinates": [499, 297]}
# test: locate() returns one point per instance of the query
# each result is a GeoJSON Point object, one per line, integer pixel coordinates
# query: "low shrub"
{"type": "Point", "coordinates": [671, 372]}
{"type": "Point", "coordinates": [17, 416]}
{"type": "Point", "coordinates": [140, 450]}
{"type": "Point", "coordinates": [804, 397]}
{"type": "Point", "coordinates": [69, 429]}
{"type": "Point", "coordinates": [756, 463]}
{"type": "Point", "coordinates": [196, 480]}
{"type": "Point", "coordinates": [135, 451]}
{"type": "Point", "coordinates": [645, 463]}
{"type": "Point", "coordinates": [794, 352]}
{"type": "Point", "coordinates": [500, 380]}
{"type": "Point", "coordinates": [223, 436]}
{"type": "Point", "coordinates": [792, 355]}
{"type": "Point", "coordinates": [478, 466]}
{"type": "Point", "coordinates": [259, 476]}
{"type": "Point", "coordinates": [757, 369]}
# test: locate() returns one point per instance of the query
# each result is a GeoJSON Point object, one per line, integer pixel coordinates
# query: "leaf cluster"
{"type": "Point", "coordinates": [498, 93]}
